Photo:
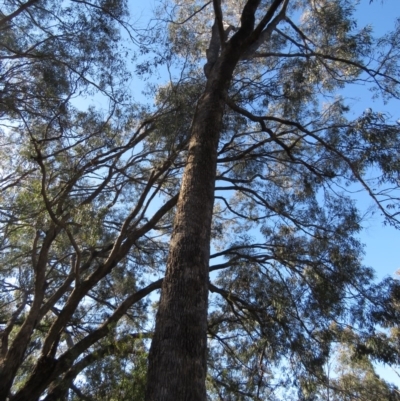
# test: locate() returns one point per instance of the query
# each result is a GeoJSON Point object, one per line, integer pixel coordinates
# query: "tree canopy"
{"type": "Point", "coordinates": [244, 126]}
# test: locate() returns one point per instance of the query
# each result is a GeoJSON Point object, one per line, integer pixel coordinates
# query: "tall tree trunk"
{"type": "Point", "coordinates": [177, 360]}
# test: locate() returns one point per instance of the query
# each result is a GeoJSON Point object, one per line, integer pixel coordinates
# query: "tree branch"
{"type": "Point", "coordinates": [17, 12]}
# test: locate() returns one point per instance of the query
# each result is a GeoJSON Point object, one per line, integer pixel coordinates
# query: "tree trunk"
{"type": "Point", "coordinates": [177, 360]}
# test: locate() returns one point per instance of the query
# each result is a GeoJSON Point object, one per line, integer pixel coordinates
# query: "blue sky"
{"type": "Point", "coordinates": [382, 243]}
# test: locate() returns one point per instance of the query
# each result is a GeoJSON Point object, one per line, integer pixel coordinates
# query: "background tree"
{"type": "Point", "coordinates": [250, 112]}
{"type": "Point", "coordinates": [64, 176]}
{"type": "Point", "coordinates": [356, 379]}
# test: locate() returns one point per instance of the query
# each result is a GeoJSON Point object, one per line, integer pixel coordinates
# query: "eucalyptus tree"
{"type": "Point", "coordinates": [259, 261]}
{"type": "Point", "coordinates": [355, 378]}
{"type": "Point", "coordinates": [76, 186]}
{"type": "Point", "coordinates": [269, 128]}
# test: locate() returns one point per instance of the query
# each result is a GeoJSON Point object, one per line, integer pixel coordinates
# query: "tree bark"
{"type": "Point", "coordinates": [177, 359]}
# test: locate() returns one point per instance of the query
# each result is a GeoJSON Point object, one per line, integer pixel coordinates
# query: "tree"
{"type": "Point", "coordinates": [254, 150]}
{"type": "Point", "coordinates": [358, 380]}
{"type": "Point", "coordinates": [271, 62]}
{"type": "Point", "coordinates": [61, 175]}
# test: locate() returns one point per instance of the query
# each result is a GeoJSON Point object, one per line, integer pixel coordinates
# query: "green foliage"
{"type": "Point", "coordinates": [355, 378]}
{"type": "Point", "coordinates": [118, 377]}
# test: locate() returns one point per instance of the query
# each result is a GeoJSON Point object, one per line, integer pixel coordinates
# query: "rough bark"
{"type": "Point", "coordinates": [177, 359]}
